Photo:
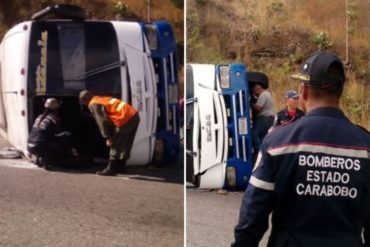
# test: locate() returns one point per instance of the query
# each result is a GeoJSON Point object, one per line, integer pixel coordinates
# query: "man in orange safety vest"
{"type": "Point", "coordinates": [117, 122]}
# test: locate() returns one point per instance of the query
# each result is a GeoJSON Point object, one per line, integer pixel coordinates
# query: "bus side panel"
{"type": "Point", "coordinates": [141, 87]}
{"type": "Point", "coordinates": [14, 67]}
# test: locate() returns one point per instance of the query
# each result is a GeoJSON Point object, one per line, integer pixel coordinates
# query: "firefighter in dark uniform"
{"type": "Point", "coordinates": [312, 174]}
{"type": "Point", "coordinates": [48, 144]}
{"type": "Point", "coordinates": [117, 122]}
{"type": "Point", "coordinates": [291, 113]}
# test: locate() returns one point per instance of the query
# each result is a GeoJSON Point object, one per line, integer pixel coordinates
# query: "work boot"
{"type": "Point", "coordinates": [121, 166]}
{"type": "Point", "coordinates": [44, 162]}
{"type": "Point", "coordinates": [110, 170]}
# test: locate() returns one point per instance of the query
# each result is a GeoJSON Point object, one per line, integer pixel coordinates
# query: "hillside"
{"type": "Point", "coordinates": [274, 36]}
{"type": "Point", "coordinates": [13, 12]}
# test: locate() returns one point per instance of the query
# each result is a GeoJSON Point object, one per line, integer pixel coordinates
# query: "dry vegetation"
{"type": "Point", "coordinates": [13, 12]}
{"type": "Point", "coordinates": [274, 36]}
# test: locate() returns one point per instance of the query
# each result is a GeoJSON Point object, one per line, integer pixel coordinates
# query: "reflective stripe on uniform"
{"type": "Point", "coordinates": [258, 161]}
{"type": "Point", "coordinates": [120, 106]}
{"type": "Point", "coordinates": [112, 100]}
{"type": "Point", "coordinates": [261, 184]}
{"type": "Point", "coordinates": [320, 148]}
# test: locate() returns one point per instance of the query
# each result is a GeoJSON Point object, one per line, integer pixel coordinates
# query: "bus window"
{"type": "Point", "coordinates": [72, 45]}
{"type": "Point", "coordinates": [102, 59]}
{"type": "Point", "coordinates": [67, 57]}
{"type": "Point", "coordinates": [189, 82]}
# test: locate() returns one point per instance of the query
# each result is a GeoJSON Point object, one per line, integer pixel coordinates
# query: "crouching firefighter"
{"type": "Point", "coordinates": [48, 144]}
{"type": "Point", "coordinates": [117, 122]}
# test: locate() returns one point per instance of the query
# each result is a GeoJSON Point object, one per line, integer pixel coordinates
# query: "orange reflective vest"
{"type": "Point", "coordinates": [118, 111]}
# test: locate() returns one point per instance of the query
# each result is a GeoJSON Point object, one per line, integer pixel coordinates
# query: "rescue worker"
{"type": "Point", "coordinates": [264, 118]}
{"type": "Point", "coordinates": [47, 142]}
{"type": "Point", "coordinates": [313, 174]}
{"type": "Point", "coordinates": [117, 122]}
{"type": "Point", "coordinates": [291, 113]}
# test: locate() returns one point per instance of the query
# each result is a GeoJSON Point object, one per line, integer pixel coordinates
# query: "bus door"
{"type": "Point", "coordinates": [162, 45]}
{"type": "Point", "coordinates": [209, 134]}
{"type": "Point", "coordinates": [235, 90]}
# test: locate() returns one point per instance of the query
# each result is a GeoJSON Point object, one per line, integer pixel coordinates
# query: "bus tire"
{"type": "Point", "coordinates": [159, 153]}
{"type": "Point", "coordinates": [231, 177]}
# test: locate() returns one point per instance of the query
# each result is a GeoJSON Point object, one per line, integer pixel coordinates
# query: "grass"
{"type": "Point", "coordinates": [354, 101]}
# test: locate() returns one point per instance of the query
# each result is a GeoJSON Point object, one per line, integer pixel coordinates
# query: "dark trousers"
{"type": "Point", "coordinates": [123, 139]}
{"type": "Point", "coordinates": [53, 152]}
{"type": "Point", "coordinates": [260, 128]}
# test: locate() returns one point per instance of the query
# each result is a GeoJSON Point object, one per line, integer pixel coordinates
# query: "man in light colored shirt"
{"type": "Point", "coordinates": [264, 109]}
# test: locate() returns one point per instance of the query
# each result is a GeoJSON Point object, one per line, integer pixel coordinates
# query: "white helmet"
{"type": "Point", "coordinates": [52, 103]}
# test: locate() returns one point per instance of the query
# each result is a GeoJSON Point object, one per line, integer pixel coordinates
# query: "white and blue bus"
{"type": "Point", "coordinates": [218, 126]}
{"type": "Point", "coordinates": [59, 57]}
{"type": "Point", "coordinates": [163, 48]}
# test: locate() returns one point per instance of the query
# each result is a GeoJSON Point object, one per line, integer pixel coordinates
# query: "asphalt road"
{"type": "Point", "coordinates": [78, 208]}
{"type": "Point", "coordinates": [211, 217]}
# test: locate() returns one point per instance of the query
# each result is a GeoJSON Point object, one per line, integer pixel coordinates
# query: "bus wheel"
{"type": "Point", "coordinates": [230, 177]}
{"type": "Point", "coordinates": [196, 180]}
{"type": "Point", "coordinates": [159, 153]}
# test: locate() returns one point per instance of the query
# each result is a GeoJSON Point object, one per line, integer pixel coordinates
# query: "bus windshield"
{"type": "Point", "coordinates": [67, 57]}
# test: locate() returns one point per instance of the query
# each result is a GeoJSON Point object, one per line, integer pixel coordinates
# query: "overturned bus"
{"type": "Point", "coordinates": [218, 134]}
{"type": "Point", "coordinates": [58, 58]}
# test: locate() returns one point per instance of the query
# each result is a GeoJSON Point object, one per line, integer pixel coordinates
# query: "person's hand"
{"type": "Point", "coordinates": [108, 142]}
{"type": "Point", "coordinates": [255, 97]}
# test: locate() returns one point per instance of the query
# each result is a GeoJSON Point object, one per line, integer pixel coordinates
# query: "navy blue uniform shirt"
{"type": "Point", "coordinates": [282, 117]}
{"type": "Point", "coordinates": [314, 176]}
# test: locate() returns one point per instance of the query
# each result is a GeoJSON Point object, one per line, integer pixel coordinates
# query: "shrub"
{"type": "Point", "coordinates": [120, 9]}
{"type": "Point", "coordinates": [276, 6]}
{"type": "Point", "coordinates": [322, 41]}
{"type": "Point", "coordinates": [255, 34]}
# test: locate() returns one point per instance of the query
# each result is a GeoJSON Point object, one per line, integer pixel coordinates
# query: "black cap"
{"type": "Point", "coordinates": [315, 70]}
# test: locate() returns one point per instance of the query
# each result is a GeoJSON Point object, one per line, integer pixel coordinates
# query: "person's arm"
{"type": "Point", "coordinates": [256, 107]}
{"type": "Point", "coordinates": [101, 118]}
{"type": "Point", "coordinates": [256, 205]}
{"type": "Point", "coordinates": [261, 101]}
{"type": "Point", "coordinates": [277, 121]}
